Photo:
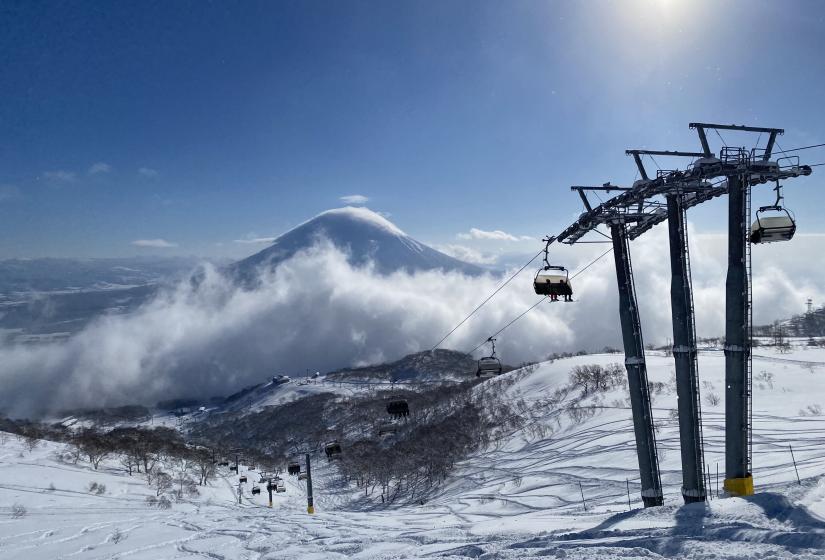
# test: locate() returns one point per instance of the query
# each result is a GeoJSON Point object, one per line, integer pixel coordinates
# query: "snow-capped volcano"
{"type": "Point", "coordinates": [364, 235]}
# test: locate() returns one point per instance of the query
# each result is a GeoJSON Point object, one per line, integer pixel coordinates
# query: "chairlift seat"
{"type": "Point", "coordinates": [256, 490]}
{"type": "Point", "coordinates": [387, 429]}
{"type": "Point", "coordinates": [488, 366]}
{"type": "Point", "coordinates": [332, 448]}
{"type": "Point", "coordinates": [293, 468]}
{"type": "Point", "coordinates": [242, 479]}
{"type": "Point", "coordinates": [302, 476]}
{"type": "Point", "coordinates": [779, 226]}
{"type": "Point", "coordinates": [547, 284]}
{"type": "Point", "coordinates": [280, 488]}
{"type": "Point", "coordinates": [398, 407]}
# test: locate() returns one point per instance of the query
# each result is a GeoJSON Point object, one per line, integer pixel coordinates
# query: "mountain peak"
{"type": "Point", "coordinates": [363, 214]}
{"type": "Point", "coordinates": [365, 235]}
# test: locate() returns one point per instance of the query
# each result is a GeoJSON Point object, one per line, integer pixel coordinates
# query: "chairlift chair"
{"type": "Point", "coordinates": [489, 366]}
{"type": "Point", "coordinates": [242, 478]}
{"type": "Point", "coordinates": [332, 448]}
{"type": "Point", "coordinates": [555, 283]}
{"type": "Point", "coordinates": [302, 476]}
{"type": "Point", "coordinates": [387, 429]}
{"type": "Point", "coordinates": [256, 490]}
{"type": "Point", "coordinates": [280, 488]}
{"type": "Point", "coordinates": [777, 225]}
{"type": "Point", "coordinates": [398, 407]}
{"type": "Point", "coordinates": [294, 468]}
{"type": "Point", "coordinates": [552, 284]}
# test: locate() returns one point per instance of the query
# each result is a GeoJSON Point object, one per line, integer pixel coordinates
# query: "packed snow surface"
{"type": "Point", "coordinates": [556, 488]}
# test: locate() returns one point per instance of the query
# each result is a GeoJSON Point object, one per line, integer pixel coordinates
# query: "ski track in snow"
{"type": "Point", "coordinates": [521, 498]}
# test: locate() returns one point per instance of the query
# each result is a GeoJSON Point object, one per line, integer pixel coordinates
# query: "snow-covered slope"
{"type": "Point", "coordinates": [520, 498]}
{"type": "Point", "coordinates": [365, 235]}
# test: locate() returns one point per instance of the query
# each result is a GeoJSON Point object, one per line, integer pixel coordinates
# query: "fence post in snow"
{"type": "Point", "coordinates": [584, 505]}
{"type": "Point", "coordinates": [709, 485]}
{"type": "Point", "coordinates": [794, 465]}
{"type": "Point", "coordinates": [310, 503]}
{"type": "Point", "coordinates": [629, 508]}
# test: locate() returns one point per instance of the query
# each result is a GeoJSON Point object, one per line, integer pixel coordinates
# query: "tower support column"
{"type": "Point", "coordinates": [738, 479]}
{"type": "Point", "coordinates": [636, 370]}
{"type": "Point", "coordinates": [684, 356]}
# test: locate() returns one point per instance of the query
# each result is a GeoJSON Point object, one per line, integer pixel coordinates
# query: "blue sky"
{"type": "Point", "coordinates": [199, 124]}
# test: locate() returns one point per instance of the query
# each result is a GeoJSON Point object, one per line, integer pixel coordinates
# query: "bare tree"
{"type": "Point", "coordinates": [162, 482]}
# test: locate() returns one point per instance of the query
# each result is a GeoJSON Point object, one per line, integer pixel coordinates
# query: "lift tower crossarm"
{"type": "Point", "coordinates": [771, 132]}
{"type": "Point", "coordinates": [638, 153]}
{"type": "Point", "coordinates": [607, 187]}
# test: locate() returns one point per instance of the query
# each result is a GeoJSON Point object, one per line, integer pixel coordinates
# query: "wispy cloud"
{"type": "Point", "coordinates": [468, 254]}
{"type": "Point", "coordinates": [60, 176]}
{"type": "Point", "coordinates": [256, 240]}
{"type": "Point", "coordinates": [148, 172]}
{"type": "Point", "coordinates": [154, 243]}
{"type": "Point", "coordinates": [354, 199]}
{"type": "Point", "coordinates": [8, 192]}
{"type": "Point", "coordinates": [495, 235]}
{"type": "Point", "coordinates": [99, 167]}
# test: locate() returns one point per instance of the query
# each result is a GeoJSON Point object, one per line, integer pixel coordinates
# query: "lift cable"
{"type": "Point", "coordinates": [480, 305]}
{"type": "Point", "coordinates": [720, 137]}
{"type": "Point", "coordinates": [529, 309]}
{"type": "Point", "coordinates": [781, 151]}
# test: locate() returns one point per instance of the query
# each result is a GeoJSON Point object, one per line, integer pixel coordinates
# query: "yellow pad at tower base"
{"type": "Point", "coordinates": [739, 486]}
{"type": "Point", "coordinates": [310, 509]}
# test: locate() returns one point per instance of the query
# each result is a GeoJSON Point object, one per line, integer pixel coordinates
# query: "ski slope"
{"type": "Point", "coordinates": [520, 498]}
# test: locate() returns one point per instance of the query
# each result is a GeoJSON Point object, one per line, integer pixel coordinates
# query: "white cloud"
{"type": "Point", "coordinates": [60, 176]}
{"type": "Point", "coordinates": [495, 235]}
{"type": "Point", "coordinates": [8, 192]}
{"type": "Point", "coordinates": [212, 337]}
{"type": "Point", "coordinates": [99, 167]}
{"type": "Point", "coordinates": [468, 254]}
{"type": "Point", "coordinates": [256, 240]}
{"type": "Point", "coordinates": [148, 172]}
{"type": "Point", "coordinates": [155, 243]}
{"type": "Point", "coordinates": [354, 199]}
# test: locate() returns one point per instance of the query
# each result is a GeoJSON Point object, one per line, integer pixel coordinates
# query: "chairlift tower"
{"type": "Point", "coordinates": [618, 220]}
{"type": "Point", "coordinates": [691, 443]}
{"type": "Point", "coordinates": [739, 172]}
{"type": "Point", "coordinates": [636, 366]}
{"type": "Point", "coordinates": [633, 212]}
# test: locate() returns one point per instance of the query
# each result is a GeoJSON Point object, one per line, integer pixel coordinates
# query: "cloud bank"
{"type": "Point", "coordinates": [316, 311]}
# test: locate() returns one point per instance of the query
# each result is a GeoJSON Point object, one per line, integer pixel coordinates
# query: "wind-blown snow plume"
{"type": "Point", "coordinates": [317, 311]}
